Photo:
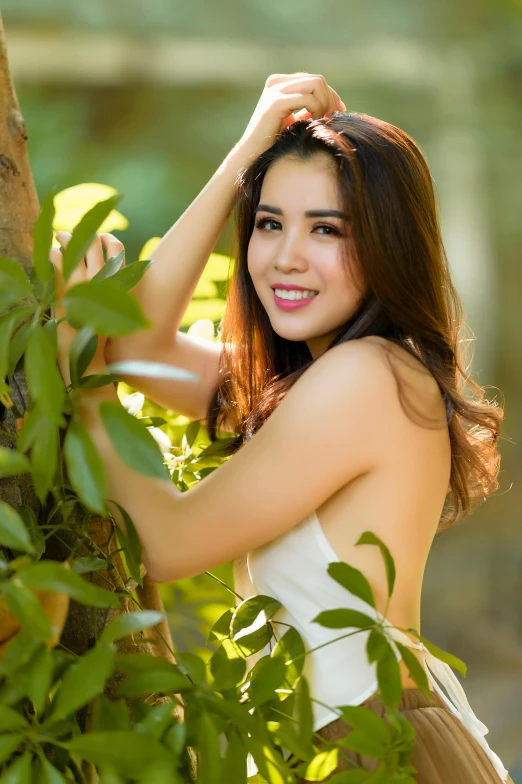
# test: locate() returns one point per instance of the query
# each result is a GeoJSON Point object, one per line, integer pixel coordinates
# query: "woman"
{"type": "Point", "coordinates": [358, 382]}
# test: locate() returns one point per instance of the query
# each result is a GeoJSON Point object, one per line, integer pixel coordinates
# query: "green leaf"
{"type": "Point", "coordinates": [131, 544]}
{"type": "Point", "coordinates": [9, 744]}
{"type": "Point", "coordinates": [14, 283]}
{"type": "Point", "coordinates": [7, 324]}
{"type": "Point", "coordinates": [376, 645]}
{"type": "Point", "coordinates": [357, 776]}
{"type": "Point", "coordinates": [209, 757]}
{"type": "Point", "coordinates": [132, 441]}
{"type": "Point", "coordinates": [39, 678]}
{"type": "Point", "coordinates": [83, 681]}
{"type": "Point", "coordinates": [141, 367]}
{"type": "Point", "coordinates": [85, 467]}
{"type": "Point", "coordinates": [88, 563]}
{"type": "Point", "coordinates": [362, 743]}
{"type": "Point", "coordinates": [19, 772]}
{"type": "Point", "coordinates": [25, 606]}
{"type": "Point", "coordinates": [83, 234]}
{"type": "Point", "coordinates": [11, 720]}
{"type": "Point", "coordinates": [157, 720]}
{"type": "Point", "coordinates": [44, 455]}
{"type": "Point", "coordinates": [13, 533]}
{"type": "Point", "coordinates": [54, 576]}
{"type": "Point", "coordinates": [18, 342]}
{"type": "Point", "coordinates": [444, 656]}
{"type": "Point", "coordinates": [128, 753]}
{"type": "Point", "coordinates": [254, 641]}
{"type": "Point", "coordinates": [343, 619]}
{"type": "Point", "coordinates": [322, 765]}
{"type": "Point", "coordinates": [351, 579]}
{"type": "Point", "coordinates": [193, 665]}
{"type": "Point", "coordinates": [111, 266]}
{"type": "Point", "coordinates": [20, 650]}
{"type": "Point", "coordinates": [235, 761]}
{"type": "Point", "coordinates": [415, 668]}
{"type": "Point", "coordinates": [191, 432]}
{"type": "Point", "coordinates": [35, 532]}
{"type": "Point", "coordinates": [248, 611]}
{"type": "Point", "coordinates": [129, 623]}
{"type": "Point", "coordinates": [389, 678]}
{"type": "Point", "coordinates": [304, 714]}
{"type": "Point", "coordinates": [83, 349]}
{"type": "Point", "coordinates": [290, 647]}
{"type": "Point", "coordinates": [105, 307]}
{"type": "Point", "coordinates": [129, 276]}
{"type": "Point", "coordinates": [227, 672]}
{"type": "Point", "coordinates": [49, 774]}
{"type": "Point", "coordinates": [110, 714]}
{"type": "Point", "coordinates": [267, 675]}
{"type": "Point", "coordinates": [43, 238]}
{"type": "Point", "coordinates": [165, 681]}
{"type": "Point", "coordinates": [44, 379]}
{"type": "Point", "coordinates": [365, 720]}
{"type": "Point", "coordinates": [370, 538]}
{"type": "Point", "coordinates": [221, 628]}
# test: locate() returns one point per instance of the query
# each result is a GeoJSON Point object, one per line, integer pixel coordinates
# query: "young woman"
{"type": "Point", "coordinates": [340, 372]}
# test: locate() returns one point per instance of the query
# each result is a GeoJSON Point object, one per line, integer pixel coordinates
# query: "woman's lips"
{"type": "Point", "coordinates": [292, 304]}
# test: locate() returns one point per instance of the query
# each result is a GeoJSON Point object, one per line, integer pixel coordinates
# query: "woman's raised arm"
{"type": "Point", "coordinates": [167, 287]}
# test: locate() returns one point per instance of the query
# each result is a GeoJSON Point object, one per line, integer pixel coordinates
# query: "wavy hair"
{"type": "Point", "coordinates": [386, 189]}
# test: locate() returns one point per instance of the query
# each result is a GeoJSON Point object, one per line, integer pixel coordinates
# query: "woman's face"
{"type": "Point", "coordinates": [289, 246]}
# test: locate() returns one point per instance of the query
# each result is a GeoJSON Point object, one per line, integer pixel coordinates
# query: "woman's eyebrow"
{"type": "Point", "coordinates": [308, 213]}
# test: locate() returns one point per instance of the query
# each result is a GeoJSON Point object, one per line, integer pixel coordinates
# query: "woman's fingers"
{"type": "Point", "coordinates": [94, 258]}
{"type": "Point", "coordinates": [112, 245]}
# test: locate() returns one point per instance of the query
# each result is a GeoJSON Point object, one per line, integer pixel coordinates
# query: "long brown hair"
{"type": "Point", "coordinates": [386, 189]}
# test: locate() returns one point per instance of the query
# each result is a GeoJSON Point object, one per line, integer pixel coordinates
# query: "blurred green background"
{"type": "Point", "coordinates": [149, 98]}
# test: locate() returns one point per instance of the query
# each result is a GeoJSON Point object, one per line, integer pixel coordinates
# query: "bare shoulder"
{"type": "Point", "coordinates": [383, 365]}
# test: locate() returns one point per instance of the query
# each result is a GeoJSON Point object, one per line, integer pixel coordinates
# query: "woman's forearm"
{"type": "Point", "coordinates": [166, 289]}
{"type": "Point", "coordinates": [144, 498]}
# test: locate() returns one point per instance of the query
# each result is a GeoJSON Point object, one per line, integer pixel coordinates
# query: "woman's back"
{"type": "Point", "coordinates": [401, 499]}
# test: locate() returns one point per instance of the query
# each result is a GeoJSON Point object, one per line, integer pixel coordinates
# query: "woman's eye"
{"type": "Point", "coordinates": [331, 229]}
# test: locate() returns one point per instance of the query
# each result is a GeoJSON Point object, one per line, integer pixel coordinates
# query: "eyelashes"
{"type": "Point", "coordinates": [260, 224]}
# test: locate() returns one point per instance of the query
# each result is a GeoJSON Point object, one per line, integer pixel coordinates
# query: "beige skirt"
{"type": "Point", "coordinates": [444, 751]}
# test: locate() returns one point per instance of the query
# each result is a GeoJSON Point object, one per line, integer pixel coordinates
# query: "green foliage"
{"type": "Point", "coordinates": [232, 706]}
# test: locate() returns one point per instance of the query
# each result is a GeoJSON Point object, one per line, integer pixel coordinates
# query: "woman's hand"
{"type": "Point", "coordinates": [92, 263]}
{"type": "Point", "coordinates": [283, 95]}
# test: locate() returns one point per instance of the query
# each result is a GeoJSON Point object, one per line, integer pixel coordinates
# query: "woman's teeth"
{"type": "Point", "coordinates": [295, 294]}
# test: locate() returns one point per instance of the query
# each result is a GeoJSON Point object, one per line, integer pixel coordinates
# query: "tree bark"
{"type": "Point", "coordinates": [18, 211]}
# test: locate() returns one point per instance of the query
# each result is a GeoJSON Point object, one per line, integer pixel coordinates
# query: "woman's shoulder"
{"type": "Point", "coordinates": [392, 364]}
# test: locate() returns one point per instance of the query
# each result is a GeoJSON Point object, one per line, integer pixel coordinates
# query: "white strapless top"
{"type": "Point", "coordinates": [293, 569]}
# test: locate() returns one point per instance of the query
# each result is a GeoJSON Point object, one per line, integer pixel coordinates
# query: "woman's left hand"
{"type": "Point", "coordinates": [92, 263]}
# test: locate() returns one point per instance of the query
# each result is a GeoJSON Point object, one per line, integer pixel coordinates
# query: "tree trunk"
{"type": "Point", "coordinates": [18, 210]}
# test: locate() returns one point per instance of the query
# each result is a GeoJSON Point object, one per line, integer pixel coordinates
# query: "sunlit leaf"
{"type": "Point", "coordinates": [249, 610]}
{"type": "Point", "coordinates": [72, 204]}
{"type": "Point", "coordinates": [368, 537]}
{"type": "Point", "coordinates": [389, 678]}
{"type": "Point", "coordinates": [343, 618]}
{"type": "Point", "coordinates": [141, 367]}
{"type": "Point", "coordinates": [415, 669]}
{"type": "Point", "coordinates": [352, 579]}
{"type": "Point", "coordinates": [132, 441]}
{"type": "Point", "coordinates": [322, 765]}
{"type": "Point", "coordinates": [43, 237]}
{"type": "Point", "coordinates": [376, 645]}
{"type": "Point", "coordinates": [291, 648]}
